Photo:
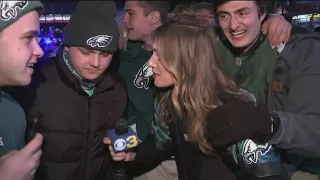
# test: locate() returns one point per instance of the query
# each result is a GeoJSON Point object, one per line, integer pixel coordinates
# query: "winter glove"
{"type": "Point", "coordinates": [237, 120]}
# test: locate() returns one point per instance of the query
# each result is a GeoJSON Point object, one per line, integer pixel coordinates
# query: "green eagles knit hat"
{"type": "Point", "coordinates": [11, 11]}
{"type": "Point", "coordinates": [93, 26]}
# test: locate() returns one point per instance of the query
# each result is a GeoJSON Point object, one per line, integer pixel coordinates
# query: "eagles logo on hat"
{"type": "Point", "coordinates": [10, 11]}
{"type": "Point", "coordinates": [99, 41]}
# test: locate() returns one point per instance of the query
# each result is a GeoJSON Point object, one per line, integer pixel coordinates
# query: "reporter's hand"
{"type": "Point", "coordinates": [119, 156]}
{"type": "Point", "coordinates": [22, 165]}
{"type": "Point", "coordinates": [277, 28]}
{"type": "Point", "coordinates": [237, 120]}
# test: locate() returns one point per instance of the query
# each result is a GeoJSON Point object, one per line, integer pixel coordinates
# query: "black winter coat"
{"type": "Point", "coordinates": [74, 124]}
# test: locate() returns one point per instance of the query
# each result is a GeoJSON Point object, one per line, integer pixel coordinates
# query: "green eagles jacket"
{"type": "Point", "coordinates": [252, 72]}
{"type": "Point", "coordinates": [284, 78]}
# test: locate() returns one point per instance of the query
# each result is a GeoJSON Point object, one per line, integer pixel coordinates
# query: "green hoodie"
{"type": "Point", "coordinates": [137, 75]}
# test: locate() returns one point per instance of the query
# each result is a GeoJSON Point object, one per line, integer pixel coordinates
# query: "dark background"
{"type": "Point", "coordinates": [58, 7]}
{"type": "Point", "coordinates": [295, 6]}
{"type": "Point", "coordinates": [51, 35]}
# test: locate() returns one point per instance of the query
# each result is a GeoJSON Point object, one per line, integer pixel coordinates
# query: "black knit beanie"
{"type": "Point", "coordinates": [93, 26]}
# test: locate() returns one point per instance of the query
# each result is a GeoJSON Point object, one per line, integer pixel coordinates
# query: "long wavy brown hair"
{"type": "Point", "coordinates": [187, 49]}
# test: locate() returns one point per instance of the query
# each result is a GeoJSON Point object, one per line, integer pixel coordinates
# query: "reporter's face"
{"type": "Point", "coordinates": [162, 78]}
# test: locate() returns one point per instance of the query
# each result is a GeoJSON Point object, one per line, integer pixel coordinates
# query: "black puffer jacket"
{"type": "Point", "coordinates": [74, 124]}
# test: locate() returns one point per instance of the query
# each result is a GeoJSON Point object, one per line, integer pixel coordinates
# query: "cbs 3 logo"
{"type": "Point", "coordinates": [130, 142]}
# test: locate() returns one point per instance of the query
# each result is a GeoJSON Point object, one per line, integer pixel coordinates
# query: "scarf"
{"type": "Point", "coordinates": [87, 85]}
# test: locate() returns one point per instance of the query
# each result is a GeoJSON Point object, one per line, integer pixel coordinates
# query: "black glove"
{"type": "Point", "coordinates": [237, 120]}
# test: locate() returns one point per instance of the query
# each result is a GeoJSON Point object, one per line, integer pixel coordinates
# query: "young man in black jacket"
{"type": "Point", "coordinates": [79, 98]}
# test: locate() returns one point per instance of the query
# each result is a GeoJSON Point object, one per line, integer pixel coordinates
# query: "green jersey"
{"type": "Point", "coordinates": [252, 72]}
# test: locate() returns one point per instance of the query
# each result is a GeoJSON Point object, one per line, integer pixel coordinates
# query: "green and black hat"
{"type": "Point", "coordinates": [93, 26]}
{"type": "Point", "coordinates": [11, 11]}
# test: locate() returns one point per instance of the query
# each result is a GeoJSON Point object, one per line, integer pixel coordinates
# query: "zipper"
{"type": "Point", "coordinates": [85, 144]}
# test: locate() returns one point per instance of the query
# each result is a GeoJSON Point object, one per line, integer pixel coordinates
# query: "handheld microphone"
{"type": "Point", "coordinates": [123, 137]}
{"type": "Point", "coordinates": [34, 120]}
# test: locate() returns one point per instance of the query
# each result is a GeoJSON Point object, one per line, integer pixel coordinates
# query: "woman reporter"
{"type": "Point", "coordinates": [188, 73]}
